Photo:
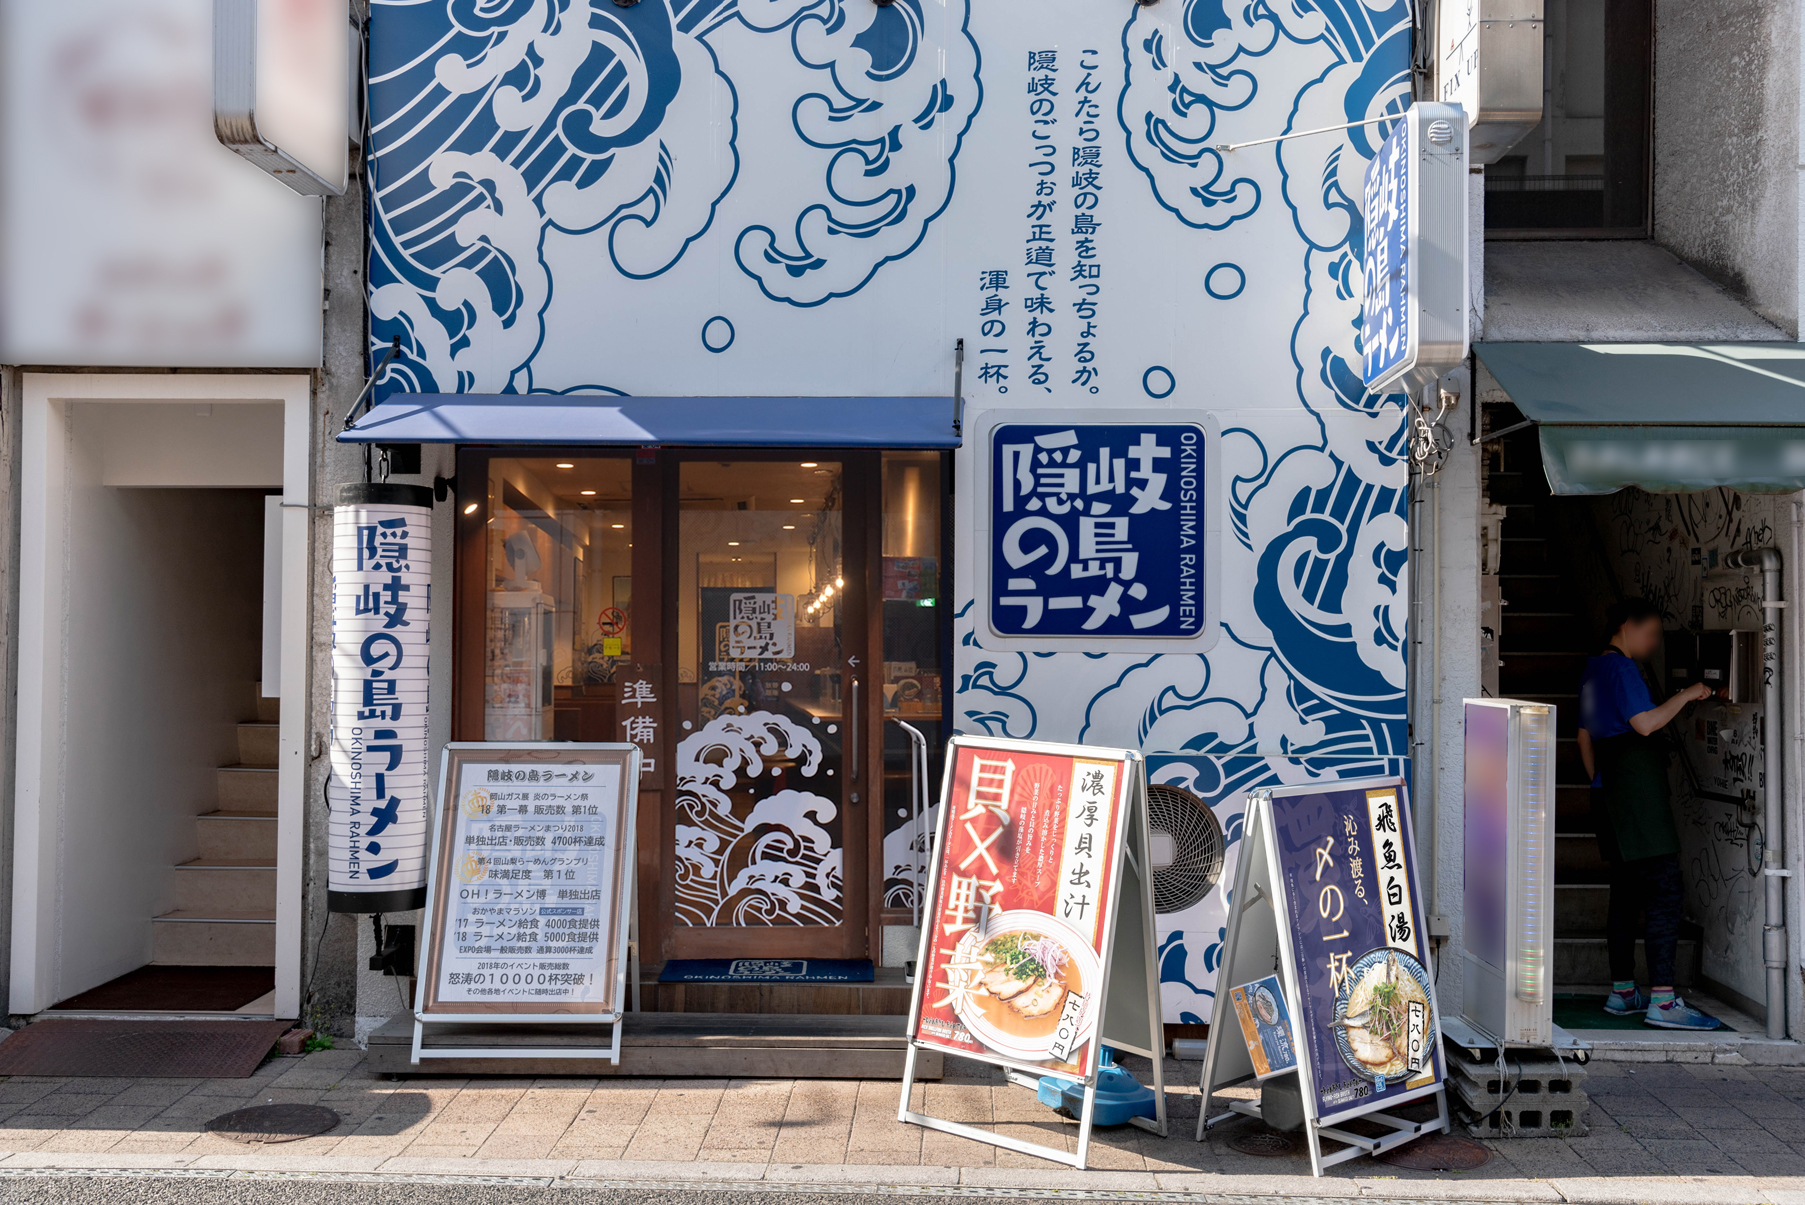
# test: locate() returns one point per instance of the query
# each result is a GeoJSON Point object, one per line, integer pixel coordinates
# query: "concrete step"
{"type": "Point", "coordinates": [257, 744]}
{"type": "Point", "coordinates": [1573, 809]}
{"type": "Point", "coordinates": [239, 836]}
{"type": "Point", "coordinates": [1544, 630]}
{"type": "Point", "coordinates": [224, 886]}
{"type": "Point", "coordinates": [183, 939]}
{"type": "Point", "coordinates": [1526, 554]}
{"type": "Point", "coordinates": [1526, 672]}
{"type": "Point", "coordinates": [672, 1045]}
{"type": "Point", "coordinates": [1576, 858]}
{"type": "Point", "coordinates": [1535, 591]}
{"type": "Point", "coordinates": [1583, 960]}
{"type": "Point", "coordinates": [1580, 909]}
{"type": "Point", "coordinates": [248, 789]}
{"type": "Point", "coordinates": [269, 710]}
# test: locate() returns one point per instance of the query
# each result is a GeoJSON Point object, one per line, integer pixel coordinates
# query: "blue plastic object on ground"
{"type": "Point", "coordinates": [1120, 1096]}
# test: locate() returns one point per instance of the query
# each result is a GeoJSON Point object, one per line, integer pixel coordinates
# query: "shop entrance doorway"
{"type": "Point", "coordinates": [755, 620]}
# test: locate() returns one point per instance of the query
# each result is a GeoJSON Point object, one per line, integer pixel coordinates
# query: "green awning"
{"type": "Point", "coordinates": [1664, 417]}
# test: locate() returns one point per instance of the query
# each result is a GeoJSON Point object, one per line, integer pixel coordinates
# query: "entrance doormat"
{"type": "Point", "coordinates": [173, 989]}
{"type": "Point", "coordinates": [767, 970]}
{"type": "Point", "coordinates": [1587, 1012]}
{"type": "Point", "coordinates": [161, 1049]}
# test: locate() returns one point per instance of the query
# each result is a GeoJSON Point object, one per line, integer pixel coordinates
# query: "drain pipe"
{"type": "Point", "coordinates": [1773, 932]}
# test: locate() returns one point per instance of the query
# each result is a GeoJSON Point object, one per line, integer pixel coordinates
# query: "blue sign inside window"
{"type": "Point", "coordinates": [1097, 530]}
{"type": "Point", "coordinates": [1385, 326]}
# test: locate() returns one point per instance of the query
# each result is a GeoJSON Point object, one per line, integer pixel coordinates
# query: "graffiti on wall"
{"type": "Point", "coordinates": [1670, 548]}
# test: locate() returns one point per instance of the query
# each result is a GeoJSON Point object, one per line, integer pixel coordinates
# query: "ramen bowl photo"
{"type": "Point", "coordinates": [1372, 1013]}
{"type": "Point", "coordinates": [1018, 973]}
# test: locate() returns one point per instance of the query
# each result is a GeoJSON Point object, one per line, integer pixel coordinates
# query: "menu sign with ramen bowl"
{"type": "Point", "coordinates": [1327, 892]}
{"type": "Point", "coordinates": [528, 898]}
{"type": "Point", "coordinates": [1031, 890]}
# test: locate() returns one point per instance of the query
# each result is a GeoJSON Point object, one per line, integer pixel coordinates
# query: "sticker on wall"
{"type": "Point", "coordinates": [381, 618]}
{"type": "Point", "coordinates": [1097, 532]}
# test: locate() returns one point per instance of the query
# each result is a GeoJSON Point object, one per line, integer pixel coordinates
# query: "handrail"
{"type": "Point", "coordinates": [918, 793]}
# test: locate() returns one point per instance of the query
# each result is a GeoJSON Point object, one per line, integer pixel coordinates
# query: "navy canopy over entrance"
{"type": "Point", "coordinates": [732, 422]}
{"type": "Point", "coordinates": [1663, 417]}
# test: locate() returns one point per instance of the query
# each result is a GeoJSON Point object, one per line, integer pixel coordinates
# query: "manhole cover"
{"type": "Point", "coordinates": [273, 1123]}
{"type": "Point", "coordinates": [1263, 1142]}
{"type": "Point", "coordinates": [1438, 1153]}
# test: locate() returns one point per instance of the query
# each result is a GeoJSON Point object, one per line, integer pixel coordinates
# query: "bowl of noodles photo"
{"type": "Point", "coordinates": [1017, 974]}
{"type": "Point", "coordinates": [1372, 1014]}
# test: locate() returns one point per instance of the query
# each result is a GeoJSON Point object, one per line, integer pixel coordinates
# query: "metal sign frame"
{"type": "Point", "coordinates": [624, 934]}
{"type": "Point", "coordinates": [1414, 263]}
{"type": "Point", "coordinates": [1258, 939]}
{"type": "Point", "coordinates": [1128, 937]}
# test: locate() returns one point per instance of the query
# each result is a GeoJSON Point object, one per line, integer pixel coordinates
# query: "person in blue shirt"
{"type": "Point", "coordinates": [1618, 723]}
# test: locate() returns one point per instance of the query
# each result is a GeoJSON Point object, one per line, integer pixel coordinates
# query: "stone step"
{"type": "Point", "coordinates": [1576, 858]}
{"type": "Point", "coordinates": [219, 887]}
{"type": "Point", "coordinates": [269, 710]}
{"type": "Point", "coordinates": [1580, 909]}
{"type": "Point", "coordinates": [1581, 961]}
{"type": "Point", "coordinates": [183, 939]}
{"type": "Point", "coordinates": [247, 789]}
{"type": "Point", "coordinates": [258, 743]}
{"type": "Point", "coordinates": [237, 835]}
{"type": "Point", "coordinates": [672, 1045]}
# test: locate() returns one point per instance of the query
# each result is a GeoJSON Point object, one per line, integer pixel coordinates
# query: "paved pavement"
{"type": "Point", "coordinates": [1692, 1133]}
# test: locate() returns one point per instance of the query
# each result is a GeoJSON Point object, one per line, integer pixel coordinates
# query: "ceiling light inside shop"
{"type": "Point", "coordinates": [733, 543]}
{"type": "Point", "coordinates": [471, 509]}
{"type": "Point", "coordinates": [809, 464]}
{"type": "Point", "coordinates": [617, 526]}
{"type": "Point", "coordinates": [588, 493]}
{"type": "Point", "coordinates": [798, 499]}
{"type": "Point", "coordinates": [789, 527]}
{"type": "Point", "coordinates": [566, 466]}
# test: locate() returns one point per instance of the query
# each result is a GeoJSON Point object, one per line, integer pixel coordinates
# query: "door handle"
{"type": "Point", "coordinates": [852, 729]}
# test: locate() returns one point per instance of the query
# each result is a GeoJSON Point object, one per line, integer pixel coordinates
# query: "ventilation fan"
{"type": "Point", "coordinates": [1187, 848]}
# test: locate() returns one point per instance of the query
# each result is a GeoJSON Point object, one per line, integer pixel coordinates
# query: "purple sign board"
{"type": "Point", "coordinates": [1487, 835]}
{"type": "Point", "coordinates": [1366, 1012]}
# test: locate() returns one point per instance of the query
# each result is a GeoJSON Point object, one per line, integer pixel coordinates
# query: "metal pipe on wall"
{"type": "Point", "coordinates": [1773, 835]}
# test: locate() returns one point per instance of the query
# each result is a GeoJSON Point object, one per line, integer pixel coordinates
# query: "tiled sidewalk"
{"type": "Point", "coordinates": [1706, 1132]}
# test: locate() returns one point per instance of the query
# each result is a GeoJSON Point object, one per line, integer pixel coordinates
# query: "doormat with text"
{"type": "Point", "coordinates": [767, 970]}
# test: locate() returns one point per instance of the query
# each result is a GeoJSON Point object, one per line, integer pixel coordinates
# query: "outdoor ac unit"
{"type": "Point", "coordinates": [1509, 905]}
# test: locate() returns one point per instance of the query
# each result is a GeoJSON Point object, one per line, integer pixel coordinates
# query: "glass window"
{"type": "Point", "coordinates": [559, 596]}
{"type": "Point", "coordinates": [913, 637]}
{"type": "Point", "coordinates": [1585, 167]}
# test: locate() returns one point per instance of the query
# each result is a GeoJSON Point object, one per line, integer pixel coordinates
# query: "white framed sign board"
{"type": "Point", "coordinates": [1327, 893]}
{"type": "Point", "coordinates": [1037, 946]}
{"type": "Point", "coordinates": [530, 892]}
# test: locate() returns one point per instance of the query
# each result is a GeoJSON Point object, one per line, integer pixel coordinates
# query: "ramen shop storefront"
{"type": "Point", "coordinates": [751, 590]}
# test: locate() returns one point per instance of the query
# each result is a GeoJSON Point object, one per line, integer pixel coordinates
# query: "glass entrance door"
{"type": "Point", "coordinates": [774, 706]}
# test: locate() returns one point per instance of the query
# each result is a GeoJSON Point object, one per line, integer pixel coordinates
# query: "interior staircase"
{"type": "Point", "coordinates": [225, 899]}
{"type": "Point", "coordinates": [1548, 570]}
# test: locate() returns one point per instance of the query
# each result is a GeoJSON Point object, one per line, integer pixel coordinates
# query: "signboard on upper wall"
{"type": "Point", "coordinates": [1414, 323]}
{"type": "Point", "coordinates": [130, 235]}
{"type": "Point", "coordinates": [1099, 535]}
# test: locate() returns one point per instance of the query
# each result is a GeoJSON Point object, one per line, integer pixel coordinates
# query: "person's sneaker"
{"type": "Point", "coordinates": [1677, 1014]}
{"type": "Point", "coordinates": [1620, 1005]}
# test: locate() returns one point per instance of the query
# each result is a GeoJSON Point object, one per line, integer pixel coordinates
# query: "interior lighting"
{"type": "Point", "coordinates": [567, 466]}
{"type": "Point", "coordinates": [617, 526]}
{"type": "Point", "coordinates": [733, 543]}
{"type": "Point", "coordinates": [839, 581]}
{"type": "Point", "coordinates": [471, 509]}
{"type": "Point", "coordinates": [798, 499]}
{"type": "Point", "coordinates": [1534, 807]}
{"type": "Point", "coordinates": [809, 464]}
{"type": "Point", "coordinates": [588, 493]}
{"type": "Point", "coordinates": [789, 527]}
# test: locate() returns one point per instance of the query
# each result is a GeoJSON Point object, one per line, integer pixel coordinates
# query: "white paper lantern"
{"type": "Point", "coordinates": [381, 617]}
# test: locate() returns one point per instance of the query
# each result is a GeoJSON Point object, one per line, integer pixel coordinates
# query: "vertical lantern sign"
{"type": "Point", "coordinates": [381, 616]}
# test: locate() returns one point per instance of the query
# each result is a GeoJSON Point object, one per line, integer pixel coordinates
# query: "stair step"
{"type": "Point", "coordinates": [182, 939]}
{"type": "Point", "coordinates": [269, 710]}
{"type": "Point", "coordinates": [1584, 961]}
{"type": "Point", "coordinates": [1535, 591]}
{"type": "Point", "coordinates": [1520, 554]}
{"type": "Point", "coordinates": [1519, 672]}
{"type": "Point", "coordinates": [1580, 909]}
{"type": "Point", "coordinates": [1576, 857]}
{"type": "Point", "coordinates": [258, 744]}
{"type": "Point", "coordinates": [248, 788]}
{"type": "Point", "coordinates": [1555, 632]}
{"type": "Point", "coordinates": [236, 835]}
{"type": "Point", "coordinates": [225, 888]}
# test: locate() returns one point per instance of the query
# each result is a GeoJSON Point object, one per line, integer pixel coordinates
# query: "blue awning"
{"type": "Point", "coordinates": [725, 422]}
{"type": "Point", "coordinates": [1663, 417]}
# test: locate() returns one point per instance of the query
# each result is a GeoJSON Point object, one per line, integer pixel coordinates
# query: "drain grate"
{"type": "Point", "coordinates": [1264, 1142]}
{"type": "Point", "coordinates": [273, 1123]}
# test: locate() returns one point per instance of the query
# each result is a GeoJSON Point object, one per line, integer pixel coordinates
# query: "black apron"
{"type": "Point", "coordinates": [1630, 812]}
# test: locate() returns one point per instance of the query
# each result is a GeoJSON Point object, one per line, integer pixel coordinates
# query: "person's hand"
{"type": "Point", "coordinates": [1698, 692]}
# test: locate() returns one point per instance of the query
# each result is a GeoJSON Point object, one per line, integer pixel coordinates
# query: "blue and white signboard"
{"type": "Point", "coordinates": [1099, 532]}
{"type": "Point", "coordinates": [1414, 310]}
